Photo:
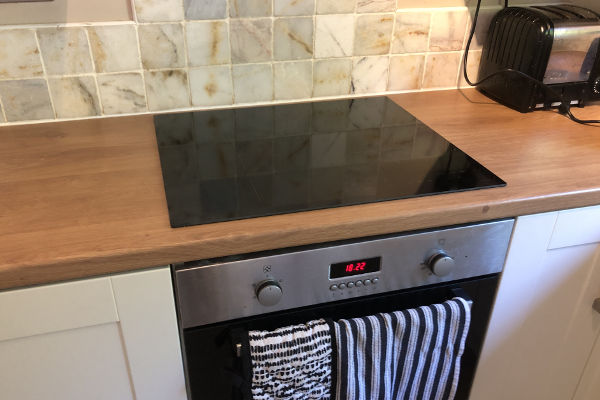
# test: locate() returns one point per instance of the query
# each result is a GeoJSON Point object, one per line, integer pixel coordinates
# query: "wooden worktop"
{"type": "Point", "coordinates": [86, 198]}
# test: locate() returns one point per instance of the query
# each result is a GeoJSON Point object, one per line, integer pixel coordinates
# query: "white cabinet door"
{"type": "Point", "coordinates": [589, 386]}
{"type": "Point", "coordinates": [112, 338]}
{"type": "Point", "coordinates": [62, 342]}
{"type": "Point", "coordinates": [543, 328]}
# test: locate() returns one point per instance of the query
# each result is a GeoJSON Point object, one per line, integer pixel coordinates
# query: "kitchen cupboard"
{"type": "Point", "coordinates": [103, 338]}
{"type": "Point", "coordinates": [541, 336]}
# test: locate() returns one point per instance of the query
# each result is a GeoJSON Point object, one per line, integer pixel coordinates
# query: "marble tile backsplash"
{"type": "Point", "coordinates": [195, 54]}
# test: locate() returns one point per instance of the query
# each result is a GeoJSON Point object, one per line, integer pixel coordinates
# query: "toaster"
{"type": "Point", "coordinates": [557, 45]}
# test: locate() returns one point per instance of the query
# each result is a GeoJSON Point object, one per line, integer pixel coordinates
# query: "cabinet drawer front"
{"type": "Point", "coordinates": [52, 308]}
{"type": "Point", "coordinates": [576, 227]}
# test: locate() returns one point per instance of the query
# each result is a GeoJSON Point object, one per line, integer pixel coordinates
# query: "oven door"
{"type": "Point", "coordinates": [214, 371]}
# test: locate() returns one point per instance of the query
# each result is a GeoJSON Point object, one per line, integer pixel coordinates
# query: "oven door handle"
{"type": "Point", "coordinates": [455, 292]}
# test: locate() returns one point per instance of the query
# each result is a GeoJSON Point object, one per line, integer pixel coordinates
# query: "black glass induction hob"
{"type": "Point", "coordinates": [223, 165]}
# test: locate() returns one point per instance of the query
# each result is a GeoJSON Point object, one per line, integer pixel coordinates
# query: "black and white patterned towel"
{"type": "Point", "coordinates": [406, 355]}
{"type": "Point", "coordinates": [294, 362]}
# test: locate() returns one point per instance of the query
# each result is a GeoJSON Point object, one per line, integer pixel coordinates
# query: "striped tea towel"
{"type": "Point", "coordinates": [405, 355]}
{"type": "Point", "coordinates": [292, 362]}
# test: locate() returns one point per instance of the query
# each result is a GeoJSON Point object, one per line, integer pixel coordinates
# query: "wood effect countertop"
{"type": "Point", "coordinates": [86, 198]}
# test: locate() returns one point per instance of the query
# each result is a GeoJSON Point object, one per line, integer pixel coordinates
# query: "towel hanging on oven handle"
{"type": "Point", "coordinates": [455, 292]}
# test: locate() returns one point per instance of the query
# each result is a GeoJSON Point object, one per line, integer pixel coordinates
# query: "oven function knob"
{"type": "Point", "coordinates": [441, 264]}
{"type": "Point", "coordinates": [359, 283]}
{"type": "Point", "coordinates": [350, 285]}
{"type": "Point", "coordinates": [268, 292]}
{"type": "Point", "coordinates": [367, 282]}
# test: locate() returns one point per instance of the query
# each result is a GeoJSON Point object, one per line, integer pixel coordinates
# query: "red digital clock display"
{"type": "Point", "coordinates": [354, 267]}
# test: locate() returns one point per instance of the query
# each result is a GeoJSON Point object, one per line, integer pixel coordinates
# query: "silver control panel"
{"type": "Point", "coordinates": [221, 291]}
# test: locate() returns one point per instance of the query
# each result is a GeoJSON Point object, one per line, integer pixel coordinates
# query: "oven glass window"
{"type": "Point", "coordinates": [354, 267]}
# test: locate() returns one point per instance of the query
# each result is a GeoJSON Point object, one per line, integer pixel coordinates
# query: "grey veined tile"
{"type": "Point", "coordinates": [250, 8]}
{"type": "Point", "coordinates": [251, 40]}
{"type": "Point", "coordinates": [25, 100]}
{"type": "Point", "coordinates": [74, 96]}
{"type": "Point", "coordinates": [122, 93]}
{"type": "Point", "coordinates": [65, 51]}
{"type": "Point", "coordinates": [292, 80]}
{"type": "Point", "coordinates": [335, 6]}
{"type": "Point", "coordinates": [373, 34]}
{"type": "Point", "coordinates": [373, 6]}
{"type": "Point", "coordinates": [158, 10]}
{"type": "Point", "coordinates": [211, 86]}
{"type": "Point", "coordinates": [294, 7]}
{"type": "Point", "coordinates": [19, 54]}
{"type": "Point", "coordinates": [370, 74]}
{"type": "Point", "coordinates": [252, 83]}
{"type": "Point", "coordinates": [334, 36]}
{"type": "Point", "coordinates": [115, 48]}
{"type": "Point", "coordinates": [162, 46]}
{"type": "Point", "coordinates": [167, 89]}
{"type": "Point", "coordinates": [205, 9]}
{"type": "Point", "coordinates": [208, 43]}
{"type": "Point", "coordinates": [293, 38]}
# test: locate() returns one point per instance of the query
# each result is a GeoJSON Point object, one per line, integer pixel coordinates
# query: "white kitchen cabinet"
{"type": "Point", "coordinates": [543, 328]}
{"type": "Point", "coordinates": [104, 338]}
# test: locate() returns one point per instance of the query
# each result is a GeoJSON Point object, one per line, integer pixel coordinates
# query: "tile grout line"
{"type": "Point", "coordinates": [143, 72]}
{"type": "Point", "coordinates": [95, 72]}
{"type": "Point", "coordinates": [3, 112]}
{"type": "Point", "coordinates": [389, 78]}
{"type": "Point", "coordinates": [228, 106]}
{"type": "Point", "coordinates": [45, 72]}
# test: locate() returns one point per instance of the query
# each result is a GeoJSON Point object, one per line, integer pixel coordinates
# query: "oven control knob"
{"type": "Point", "coordinates": [441, 264]}
{"type": "Point", "coordinates": [268, 292]}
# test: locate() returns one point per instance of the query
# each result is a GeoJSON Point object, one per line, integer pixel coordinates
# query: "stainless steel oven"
{"type": "Point", "coordinates": [354, 278]}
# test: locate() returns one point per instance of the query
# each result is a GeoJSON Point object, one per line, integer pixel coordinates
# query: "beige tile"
{"type": "Point", "coordinates": [472, 68]}
{"type": "Point", "coordinates": [332, 77]}
{"type": "Point", "coordinates": [373, 34]}
{"type": "Point", "coordinates": [441, 70]}
{"type": "Point", "coordinates": [294, 7]}
{"type": "Point", "coordinates": [2, 119]}
{"type": "Point", "coordinates": [448, 30]}
{"type": "Point", "coordinates": [122, 93]}
{"type": "Point", "coordinates": [251, 40]}
{"type": "Point", "coordinates": [250, 8]}
{"type": "Point", "coordinates": [335, 6]}
{"type": "Point", "coordinates": [252, 83]}
{"type": "Point", "coordinates": [205, 9]}
{"type": "Point", "coordinates": [293, 38]}
{"type": "Point", "coordinates": [373, 6]}
{"type": "Point", "coordinates": [370, 74]}
{"type": "Point", "coordinates": [211, 86]}
{"type": "Point", "coordinates": [167, 90]}
{"type": "Point", "coordinates": [25, 100]}
{"type": "Point", "coordinates": [158, 10]}
{"type": "Point", "coordinates": [406, 72]}
{"type": "Point", "coordinates": [483, 24]}
{"type": "Point", "coordinates": [115, 48]}
{"type": "Point", "coordinates": [22, 60]}
{"type": "Point", "coordinates": [208, 43]}
{"type": "Point", "coordinates": [162, 46]}
{"type": "Point", "coordinates": [292, 80]}
{"type": "Point", "coordinates": [443, 3]}
{"type": "Point", "coordinates": [74, 97]}
{"type": "Point", "coordinates": [334, 36]}
{"type": "Point", "coordinates": [65, 51]}
{"type": "Point", "coordinates": [411, 32]}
